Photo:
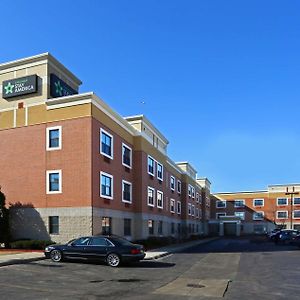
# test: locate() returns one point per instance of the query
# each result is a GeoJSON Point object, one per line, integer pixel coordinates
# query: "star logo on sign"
{"type": "Point", "coordinates": [9, 88]}
{"type": "Point", "coordinates": [59, 88]}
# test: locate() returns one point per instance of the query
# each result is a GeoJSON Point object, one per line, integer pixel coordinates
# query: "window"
{"type": "Point", "coordinates": [197, 212]}
{"type": "Point", "coordinates": [296, 227]}
{"type": "Point", "coordinates": [221, 204]}
{"type": "Point", "coordinates": [127, 227]}
{"type": "Point", "coordinates": [172, 228]}
{"type": "Point", "coordinates": [151, 226]}
{"type": "Point", "coordinates": [172, 183]}
{"type": "Point", "coordinates": [193, 210]}
{"type": "Point", "coordinates": [160, 199]}
{"type": "Point", "coordinates": [178, 186]}
{"type": "Point", "coordinates": [160, 171]}
{"type": "Point", "coordinates": [106, 226]}
{"type": "Point", "coordinates": [258, 229]}
{"type": "Point", "coordinates": [178, 207]}
{"type": "Point", "coordinates": [240, 214]}
{"type": "Point", "coordinates": [150, 196]}
{"type": "Point", "coordinates": [193, 192]}
{"type": "Point", "coordinates": [282, 201]}
{"type": "Point", "coordinates": [98, 241]}
{"type": "Point", "coordinates": [189, 209]}
{"type": "Point", "coordinates": [126, 156]}
{"type": "Point", "coordinates": [172, 205]}
{"type": "Point", "coordinates": [259, 215]}
{"type": "Point", "coordinates": [178, 228]}
{"type": "Point", "coordinates": [218, 215]}
{"type": "Point", "coordinates": [53, 138]}
{"type": "Point", "coordinates": [106, 144]}
{"type": "Point", "coordinates": [190, 190]}
{"type": "Point", "coordinates": [239, 203]}
{"type": "Point", "coordinates": [126, 191]}
{"type": "Point", "coordinates": [81, 241]}
{"type": "Point", "coordinates": [54, 225]}
{"type": "Point", "coordinates": [296, 214]}
{"type": "Point", "coordinates": [258, 202]}
{"type": "Point", "coordinates": [150, 165]}
{"type": "Point", "coordinates": [160, 227]}
{"type": "Point", "coordinates": [54, 182]}
{"type": "Point", "coordinates": [197, 197]}
{"type": "Point", "coordinates": [106, 185]}
{"type": "Point", "coordinates": [296, 201]}
{"type": "Point", "coordinates": [281, 214]}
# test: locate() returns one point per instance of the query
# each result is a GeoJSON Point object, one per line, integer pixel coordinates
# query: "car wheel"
{"type": "Point", "coordinates": [113, 260]}
{"type": "Point", "coordinates": [56, 255]}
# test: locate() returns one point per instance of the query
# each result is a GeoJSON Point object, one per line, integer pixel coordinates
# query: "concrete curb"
{"type": "Point", "coordinates": [177, 248]}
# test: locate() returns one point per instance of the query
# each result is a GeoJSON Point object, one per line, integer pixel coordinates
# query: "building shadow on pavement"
{"type": "Point", "coordinates": [241, 244]}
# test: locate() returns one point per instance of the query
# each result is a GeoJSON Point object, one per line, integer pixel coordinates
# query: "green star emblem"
{"type": "Point", "coordinates": [9, 88]}
{"type": "Point", "coordinates": [58, 87]}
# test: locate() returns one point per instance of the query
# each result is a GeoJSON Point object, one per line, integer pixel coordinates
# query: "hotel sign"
{"type": "Point", "coordinates": [20, 86]}
{"type": "Point", "coordinates": [58, 88]}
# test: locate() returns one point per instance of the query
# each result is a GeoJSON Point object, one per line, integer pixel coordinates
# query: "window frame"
{"type": "Point", "coordinates": [193, 192]}
{"type": "Point", "coordinates": [260, 219]}
{"type": "Point", "coordinates": [130, 149]}
{"type": "Point", "coordinates": [130, 184]}
{"type": "Point", "coordinates": [298, 210]}
{"type": "Point", "coordinates": [220, 213]}
{"type": "Point", "coordinates": [172, 201]}
{"type": "Point", "coordinates": [162, 171]}
{"type": "Point", "coordinates": [240, 212]}
{"type": "Point", "coordinates": [178, 211]}
{"type": "Point", "coordinates": [50, 225]}
{"type": "Point", "coordinates": [48, 172]}
{"type": "Point", "coordinates": [112, 186]}
{"type": "Point", "coordinates": [294, 201]}
{"type": "Point", "coordinates": [178, 186]}
{"type": "Point", "coordinates": [150, 158]}
{"type": "Point", "coordinates": [287, 201]}
{"type": "Point", "coordinates": [153, 193]}
{"type": "Point", "coordinates": [111, 146]}
{"type": "Point", "coordinates": [48, 129]}
{"type": "Point", "coordinates": [239, 200]}
{"type": "Point", "coordinates": [224, 201]}
{"type": "Point", "coordinates": [282, 211]}
{"type": "Point", "coordinates": [189, 190]}
{"type": "Point", "coordinates": [259, 199]}
{"type": "Point", "coordinates": [130, 226]}
{"type": "Point", "coordinates": [174, 183]}
{"type": "Point", "coordinates": [162, 199]}
{"type": "Point", "coordinates": [193, 210]}
{"type": "Point", "coordinates": [189, 209]}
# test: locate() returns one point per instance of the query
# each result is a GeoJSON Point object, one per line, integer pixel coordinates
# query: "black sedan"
{"type": "Point", "coordinates": [110, 249]}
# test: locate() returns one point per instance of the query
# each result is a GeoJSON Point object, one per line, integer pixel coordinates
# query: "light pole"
{"type": "Point", "coordinates": [292, 193]}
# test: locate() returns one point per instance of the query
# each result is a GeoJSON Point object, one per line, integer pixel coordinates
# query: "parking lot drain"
{"type": "Point", "coordinates": [194, 285]}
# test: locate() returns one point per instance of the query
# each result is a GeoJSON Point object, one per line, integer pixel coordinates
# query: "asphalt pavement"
{"type": "Point", "coordinates": [229, 268]}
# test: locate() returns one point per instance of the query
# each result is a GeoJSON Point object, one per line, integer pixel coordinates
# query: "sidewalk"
{"type": "Point", "coordinates": [20, 258]}
{"type": "Point", "coordinates": [160, 252]}
{"type": "Point", "coordinates": [24, 257]}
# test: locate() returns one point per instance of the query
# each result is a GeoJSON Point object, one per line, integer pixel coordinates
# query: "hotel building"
{"type": "Point", "coordinates": [72, 166]}
{"type": "Point", "coordinates": [255, 211]}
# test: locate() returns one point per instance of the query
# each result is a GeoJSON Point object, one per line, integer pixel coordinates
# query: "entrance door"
{"type": "Point", "coordinates": [230, 228]}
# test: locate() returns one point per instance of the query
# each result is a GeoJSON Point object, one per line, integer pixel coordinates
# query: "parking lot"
{"type": "Point", "coordinates": [229, 268]}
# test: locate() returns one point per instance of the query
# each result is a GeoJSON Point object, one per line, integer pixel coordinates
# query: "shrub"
{"type": "Point", "coordinates": [30, 244]}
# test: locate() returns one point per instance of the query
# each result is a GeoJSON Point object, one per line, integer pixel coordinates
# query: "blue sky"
{"type": "Point", "coordinates": [220, 79]}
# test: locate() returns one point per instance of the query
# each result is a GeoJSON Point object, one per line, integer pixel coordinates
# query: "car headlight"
{"type": "Point", "coordinates": [49, 248]}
